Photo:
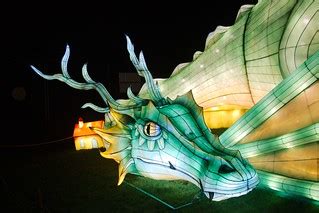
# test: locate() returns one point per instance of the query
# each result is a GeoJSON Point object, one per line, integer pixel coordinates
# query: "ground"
{"type": "Point", "coordinates": [56, 178]}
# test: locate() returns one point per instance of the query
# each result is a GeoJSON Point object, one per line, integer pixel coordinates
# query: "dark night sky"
{"type": "Point", "coordinates": [37, 33]}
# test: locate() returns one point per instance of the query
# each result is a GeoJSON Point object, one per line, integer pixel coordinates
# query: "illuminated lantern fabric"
{"type": "Point", "coordinates": [85, 138]}
{"type": "Point", "coordinates": [261, 74]}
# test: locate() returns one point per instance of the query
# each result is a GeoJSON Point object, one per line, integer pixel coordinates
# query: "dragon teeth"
{"type": "Point", "coordinates": [141, 141]}
{"type": "Point", "coordinates": [150, 144]}
{"type": "Point", "coordinates": [161, 143]}
{"type": "Point", "coordinates": [106, 144]}
{"type": "Point", "coordinates": [136, 133]}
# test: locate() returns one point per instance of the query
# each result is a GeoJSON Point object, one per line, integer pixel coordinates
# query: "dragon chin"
{"type": "Point", "coordinates": [216, 192]}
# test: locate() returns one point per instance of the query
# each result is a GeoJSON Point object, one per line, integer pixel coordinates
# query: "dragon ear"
{"type": "Point", "coordinates": [108, 120]}
{"type": "Point", "coordinates": [187, 100]}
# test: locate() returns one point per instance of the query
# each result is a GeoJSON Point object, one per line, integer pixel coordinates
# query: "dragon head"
{"type": "Point", "coordinates": [160, 138]}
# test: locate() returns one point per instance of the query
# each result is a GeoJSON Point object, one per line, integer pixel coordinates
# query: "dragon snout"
{"type": "Point", "coordinates": [222, 180]}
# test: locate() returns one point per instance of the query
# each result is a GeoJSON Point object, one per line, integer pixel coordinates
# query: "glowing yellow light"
{"type": "Point", "coordinates": [214, 108]}
{"type": "Point", "coordinates": [85, 138]}
{"type": "Point", "coordinates": [236, 113]}
{"type": "Point", "coordinates": [82, 144]}
{"type": "Point", "coordinates": [201, 66]}
{"type": "Point", "coordinates": [80, 122]}
{"type": "Point", "coordinates": [217, 50]}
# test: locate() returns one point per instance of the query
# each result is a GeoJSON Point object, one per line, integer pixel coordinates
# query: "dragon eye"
{"type": "Point", "coordinates": [152, 129]}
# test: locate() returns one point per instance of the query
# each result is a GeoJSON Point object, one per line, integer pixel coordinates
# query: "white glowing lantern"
{"type": "Point", "coordinates": [214, 108]}
{"type": "Point", "coordinates": [236, 113]}
{"type": "Point", "coordinates": [306, 21]}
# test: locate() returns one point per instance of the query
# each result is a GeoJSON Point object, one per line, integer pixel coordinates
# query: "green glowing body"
{"type": "Point", "coordinates": [265, 62]}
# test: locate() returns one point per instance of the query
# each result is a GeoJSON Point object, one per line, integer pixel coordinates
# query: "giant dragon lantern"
{"type": "Point", "coordinates": [264, 69]}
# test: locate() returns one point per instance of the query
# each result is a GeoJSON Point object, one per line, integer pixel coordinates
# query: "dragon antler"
{"type": "Point", "coordinates": [143, 71]}
{"type": "Point", "coordinates": [90, 84]}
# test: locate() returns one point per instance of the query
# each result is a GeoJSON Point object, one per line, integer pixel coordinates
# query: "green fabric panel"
{"type": "Point", "coordinates": [308, 189]}
{"type": "Point", "coordinates": [297, 138]}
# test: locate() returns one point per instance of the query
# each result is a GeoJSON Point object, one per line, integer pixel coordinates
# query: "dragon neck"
{"type": "Point", "coordinates": [230, 69]}
{"type": "Point", "coordinates": [232, 73]}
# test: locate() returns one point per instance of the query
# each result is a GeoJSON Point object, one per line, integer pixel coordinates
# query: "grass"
{"type": "Point", "coordinates": [60, 179]}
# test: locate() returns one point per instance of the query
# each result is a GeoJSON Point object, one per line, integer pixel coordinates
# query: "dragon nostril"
{"type": "Point", "coordinates": [224, 169]}
{"type": "Point", "coordinates": [211, 195]}
{"type": "Point", "coordinates": [171, 165]}
{"type": "Point", "coordinates": [102, 149]}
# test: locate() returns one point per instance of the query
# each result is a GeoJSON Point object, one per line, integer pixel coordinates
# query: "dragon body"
{"type": "Point", "coordinates": [266, 64]}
